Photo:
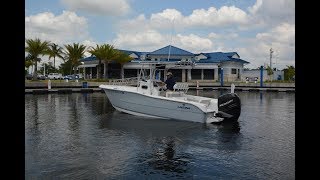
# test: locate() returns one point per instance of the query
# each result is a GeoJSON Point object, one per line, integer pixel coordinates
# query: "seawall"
{"type": "Point", "coordinates": [41, 87]}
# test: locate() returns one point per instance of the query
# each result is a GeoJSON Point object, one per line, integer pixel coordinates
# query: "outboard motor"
{"type": "Point", "coordinates": [229, 107]}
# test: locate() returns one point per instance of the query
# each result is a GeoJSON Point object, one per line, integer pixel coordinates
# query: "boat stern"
{"type": "Point", "coordinates": [213, 117]}
{"type": "Point", "coordinates": [229, 107]}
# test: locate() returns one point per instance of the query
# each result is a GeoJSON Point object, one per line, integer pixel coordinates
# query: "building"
{"type": "Point", "coordinates": [254, 74]}
{"type": "Point", "coordinates": [186, 66]}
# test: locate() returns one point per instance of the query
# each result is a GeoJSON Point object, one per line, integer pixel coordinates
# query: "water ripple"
{"type": "Point", "coordinates": [81, 136]}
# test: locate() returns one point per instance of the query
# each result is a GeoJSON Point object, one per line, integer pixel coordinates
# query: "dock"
{"type": "Point", "coordinates": [63, 90]}
{"type": "Point", "coordinates": [265, 89]}
{"type": "Point", "coordinates": [77, 87]}
{"type": "Point", "coordinates": [92, 90]}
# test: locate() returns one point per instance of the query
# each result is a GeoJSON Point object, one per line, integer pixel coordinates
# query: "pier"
{"type": "Point", "coordinates": [90, 87]}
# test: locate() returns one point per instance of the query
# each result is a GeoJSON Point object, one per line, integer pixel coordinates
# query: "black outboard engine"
{"type": "Point", "coordinates": [229, 107]}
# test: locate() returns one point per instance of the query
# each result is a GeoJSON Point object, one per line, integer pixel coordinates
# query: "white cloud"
{"type": "Point", "coordinates": [64, 28]}
{"type": "Point", "coordinates": [273, 11]}
{"type": "Point", "coordinates": [140, 23]}
{"type": "Point", "coordinates": [284, 33]}
{"type": "Point", "coordinates": [281, 39]}
{"type": "Point", "coordinates": [150, 40]}
{"type": "Point", "coordinates": [193, 43]}
{"type": "Point", "coordinates": [143, 41]}
{"type": "Point", "coordinates": [99, 7]}
{"type": "Point", "coordinates": [89, 43]}
{"type": "Point", "coordinates": [227, 36]}
{"type": "Point", "coordinates": [255, 7]}
{"type": "Point", "coordinates": [166, 19]}
{"type": "Point", "coordinates": [225, 16]}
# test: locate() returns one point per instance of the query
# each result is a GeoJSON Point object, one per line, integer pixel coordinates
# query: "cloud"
{"type": "Point", "coordinates": [280, 38]}
{"type": "Point", "coordinates": [99, 7]}
{"type": "Point", "coordinates": [227, 36]}
{"type": "Point", "coordinates": [225, 16]}
{"type": "Point", "coordinates": [273, 11]}
{"type": "Point", "coordinates": [145, 40]}
{"type": "Point", "coordinates": [284, 33]}
{"type": "Point", "coordinates": [89, 43]}
{"type": "Point", "coordinates": [193, 43]}
{"type": "Point", "coordinates": [150, 40]}
{"type": "Point", "coordinates": [64, 28]}
{"type": "Point", "coordinates": [199, 18]}
{"type": "Point", "coordinates": [255, 7]}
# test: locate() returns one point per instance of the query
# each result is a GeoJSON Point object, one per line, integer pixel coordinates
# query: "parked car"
{"type": "Point", "coordinates": [41, 77]}
{"type": "Point", "coordinates": [80, 76]}
{"type": "Point", "coordinates": [71, 77]}
{"type": "Point", "coordinates": [55, 76]}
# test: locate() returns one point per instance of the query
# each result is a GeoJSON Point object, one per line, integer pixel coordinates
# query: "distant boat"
{"type": "Point", "coordinates": [144, 96]}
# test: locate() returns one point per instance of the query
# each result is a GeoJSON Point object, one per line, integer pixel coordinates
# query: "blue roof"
{"type": "Point", "coordinates": [173, 51]}
{"type": "Point", "coordinates": [217, 57]}
{"type": "Point", "coordinates": [135, 52]}
{"type": "Point", "coordinates": [90, 58]}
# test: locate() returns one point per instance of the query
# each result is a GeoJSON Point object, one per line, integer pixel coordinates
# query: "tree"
{"type": "Point", "coordinates": [65, 67]}
{"type": "Point", "coordinates": [289, 73]}
{"type": "Point", "coordinates": [48, 68]}
{"type": "Point", "coordinates": [36, 48]}
{"type": "Point", "coordinates": [28, 61]}
{"type": "Point", "coordinates": [106, 53]}
{"type": "Point", "coordinates": [97, 52]}
{"type": "Point", "coordinates": [55, 51]}
{"type": "Point", "coordinates": [74, 53]}
{"type": "Point", "coordinates": [270, 72]}
{"type": "Point", "coordinates": [122, 58]}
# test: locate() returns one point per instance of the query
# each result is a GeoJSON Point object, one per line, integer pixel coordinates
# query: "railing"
{"type": "Point", "coordinates": [124, 82]}
{"type": "Point", "coordinates": [181, 87]}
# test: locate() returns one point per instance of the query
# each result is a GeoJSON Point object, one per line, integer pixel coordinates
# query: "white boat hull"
{"type": "Point", "coordinates": [157, 107]}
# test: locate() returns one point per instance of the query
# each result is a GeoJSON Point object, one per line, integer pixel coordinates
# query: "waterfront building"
{"type": "Point", "coordinates": [207, 67]}
{"type": "Point", "coordinates": [252, 74]}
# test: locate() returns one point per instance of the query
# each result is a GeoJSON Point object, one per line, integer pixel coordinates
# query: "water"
{"type": "Point", "coordinates": [81, 136]}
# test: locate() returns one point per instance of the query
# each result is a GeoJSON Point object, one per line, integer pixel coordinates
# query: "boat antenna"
{"type": "Point", "coordinates": [171, 39]}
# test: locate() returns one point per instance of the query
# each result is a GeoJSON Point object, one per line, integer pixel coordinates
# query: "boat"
{"type": "Point", "coordinates": [145, 96]}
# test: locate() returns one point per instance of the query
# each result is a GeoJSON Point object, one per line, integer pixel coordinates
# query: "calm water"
{"type": "Point", "coordinates": [81, 136]}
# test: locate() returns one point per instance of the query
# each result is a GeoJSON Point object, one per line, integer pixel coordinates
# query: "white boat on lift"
{"type": "Point", "coordinates": [146, 97]}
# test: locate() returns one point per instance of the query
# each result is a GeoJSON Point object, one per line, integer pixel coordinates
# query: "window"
{"type": "Point", "coordinates": [177, 74]}
{"type": "Point", "coordinates": [130, 73]}
{"type": "Point", "coordinates": [196, 74]}
{"type": "Point", "coordinates": [233, 71]}
{"type": "Point", "coordinates": [208, 74]}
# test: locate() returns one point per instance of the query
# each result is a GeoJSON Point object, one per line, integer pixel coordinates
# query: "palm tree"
{"type": "Point", "coordinates": [97, 52]}
{"type": "Point", "coordinates": [55, 51]}
{"type": "Point", "coordinates": [35, 48]}
{"type": "Point", "coordinates": [106, 53]}
{"type": "Point", "coordinates": [289, 73]}
{"type": "Point", "coordinates": [74, 53]}
{"type": "Point", "coordinates": [123, 58]}
{"type": "Point", "coordinates": [28, 61]}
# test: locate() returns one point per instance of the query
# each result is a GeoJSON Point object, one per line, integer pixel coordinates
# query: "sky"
{"type": "Point", "coordinates": [249, 27]}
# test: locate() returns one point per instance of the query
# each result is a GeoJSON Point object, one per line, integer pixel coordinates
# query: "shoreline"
{"type": "Point", "coordinates": [90, 87]}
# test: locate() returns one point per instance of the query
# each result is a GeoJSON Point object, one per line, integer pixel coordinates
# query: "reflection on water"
{"type": "Point", "coordinates": [81, 136]}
